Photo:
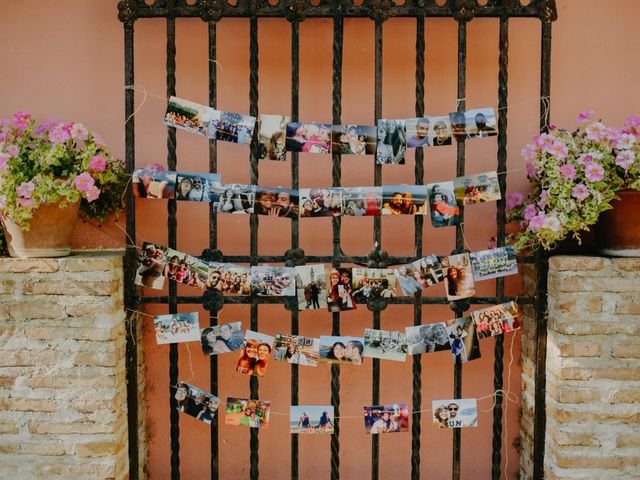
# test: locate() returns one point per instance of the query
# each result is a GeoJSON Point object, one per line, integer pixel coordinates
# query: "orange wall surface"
{"type": "Point", "coordinates": [65, 58]}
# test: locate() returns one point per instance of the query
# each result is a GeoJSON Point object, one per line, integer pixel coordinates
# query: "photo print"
{"type": "Point", "coordinates": [480, 123]}
{"type": "Point", "coordinates": [229, 279]}
{"type": "Point", "coordinates": [420, 274]}
{"type": "Point", "coordinates": [385, 345]}
{"type": "Point", "coordinates": [463, 339]}
{"type": "Point", "coordinates": [440, 131]}
{"type": "Point", "coordinates": [276, 202]}
{"type": "Point", "coordinates": [231, 127]}
{"type": "Point", "coordinates": [320, 202]}
{"type": "Point", "coordinates": [494, 263]}
{"type": "Point", "coordinates": [247, 413]}
{"type": "Point", "coordinates": [418, 132]}
{"type": "Point", "coordinates": [404, 200]}
{"type": "Point", "coordinates": [152, 182]}
{"type": "Point", "coordinates": [223, 338]}
{"type": "Point", "coordinates": [362, 201]}
{"type": "Point", "coordinates": [272, 137]}
{"type": "Point", "coordinates": [479, 188]}
{"type": "Point", "coordinates": [442, 204]}
{"type": "Point", "coordinates": [308, 137]}
{"type": "Point", "coordinates": [273, 281]}
{"type": "Point", "coordinates": [496, 320]}
{"type": "Point", "coordinates": [342, 350]}
{"type": "Point", "coordinates": [196, 187]}
{"type": "Point", "coordinates": [455, 413]}
{"type": "Point", "coordinates": [152, 265]}
{"type": "Point", "coordinates": [196, 402]}
{"type": "Point", "coordinates": [458, 125]}
{"type": "Point", "coordinates": [307, 419]}
{"type": "Point", "coordinates": [353, 139]}
{"type": "Point", "coordinates": [189, 116]}
{"type": "Point", "coordinates": [391, 142]}
{"type": "Point", "coordinates": [458, 276]}
{"type": "Point", "coordinates": [373, 283]}
{"type": "Point", "coordinates": [386, 418]}
{"type": "Point", "coordinates": [234, 198]}
{"type": "Point", "coordinates": [176, 328]}
{"type": "Point", "coordinates": [255, 354]}
{"type": "Point", "coordinates": [186, 269]}
{"type": "Point", "coordinates": [297, 349]}
{"type": "Point", "coordinates": [340, 290]}
{"type": "Point", "coordinates": [432, 337]}
{"type": "Point", "coordinates": [311, 287]}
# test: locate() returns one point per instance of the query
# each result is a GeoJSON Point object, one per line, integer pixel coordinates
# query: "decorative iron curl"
{"type": "Point", "coordinates": [296, 10]}
{"type": "Point", "coordinates": [376, 304]}
{"type": "Point", "coordinates": [212, 300]}
{"type": "Point", "coordinates": [548, 11]}
{"type": "Point", "coordinates": [128, 10]}
{"type": "Point", "coordinates": [377, 258]}
{"type": "Point", "coordinates": [294, 257]}
{"type": "Point", "coordinates": [464, 10]}
{"type": "Point", "coordinates": [212, 255]}
{"type": "Point", "coordinates": [380, 10]}
{"type": "Point", "coordinates": [210, 10]}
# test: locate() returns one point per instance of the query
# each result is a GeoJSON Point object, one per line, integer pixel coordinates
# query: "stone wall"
{"type": "Point", "coordinates": [63, 399]}
{"type": "Point", "coordinates": [593, 369]}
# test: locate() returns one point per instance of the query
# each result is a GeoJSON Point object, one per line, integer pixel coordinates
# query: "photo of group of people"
{"type": "Point", "coordinates": [228, 278]}
{"type": "Point", "coordinates": [353, 139]}
{"type": "Point", "coordinates": [276, 202]}
{"type": "Point", "coordinates": [223, 338]}
{"type": "Point", "coordinates": [273, 281]}
{"type": "Point", "coordinates": [297, 349]}
{"type": "Point", "coordinates": [385, 345]}
{"type": "Point", "coordinates": [362, 201]}
{"type": "Point", "coordinates": [343, 350]}
{"type": "Point", "coordinates": [156, 263]}
{"type": "Point", "coordinates": [320, 202]}
{"type": "Point", "coordinates": [464, 341]}
{"type": "Point", "coordinates": [255, 354]}
{"type": "Point", "coordinates": [272, 137]}
{"type": "Point", "coordinates": [340, 290]}
{"type": "Point", "coordinates": [386, 418]}
{"type": "Point", "coordinates": [196, 402]}
{"type": "Point", "coordinates": [246, 412]}
{"type": "Point", "coordinates": [176, 327]}
{"type": "Point", "coordinates": [432, 337]}
{"type": "Point", "coordinates": [494, 263]}
{"type": "Point", "coordinates": [311, 287]}
{"type": "Point", "coordinates": [151, 182]}
{"type": "Point", "coordinates": [445, 211]}
{"type": "Point", "coordinates": [404, 200]}
{"type": "Point", "coordinates": [308, 137]}
{"type": "Point", "coordinates": [197, 187]}
{"type": "Point", "coordinates": [455, 413]}
{"type": "Point", "coordinates": [189, 116]}
{"type": "Point", "coordinates": [479, 188]}
{"type": "Point", "coordinates": [373, 283]}
{"type": "Point", "coordinates": [186, 269]}
{"type": "Point", "coordinates": [496, 319]}
{"type": "Point", "coordinates": [423, 273]}
{"type": "Point", "coordinates": [458, 276]}
{"type": "Point", "coordinates": [307, 419]}
{"type": "Point", "coordinates": [231, 127]}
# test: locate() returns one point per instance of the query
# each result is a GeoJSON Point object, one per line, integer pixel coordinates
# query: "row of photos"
{"type": "Point", "coordinates": [388, 140]}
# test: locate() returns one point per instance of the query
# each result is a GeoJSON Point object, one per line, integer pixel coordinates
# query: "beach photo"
{"type": "Point", "coordinates": [306, 419]}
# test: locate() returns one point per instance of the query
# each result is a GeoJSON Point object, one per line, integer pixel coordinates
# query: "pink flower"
{"type": "Point", "coordinates": [552, 223]}
{"type": "Point", "coordinates": [79, 132]}
{"type": "Point", "coordinates": [58, 134]}
{"type": "Point", "coordinates": [98, 163]}
{"type": "Point", "coordinates": [536, 222]}
{"type": "Point", "coordinates": [92, 194]}
{"type": "Point", "coordinates": [3, 202]}
{"type": "Point", "coordinates": [625, 141]}
{"type": "Point", "coordinates": [26, 202]}
{"type": "Point", "coordinates": [13, 150]}
{"type": "Point", "coordinates": [4, 158]}
{"type": "Point", "coordinates": [532, 171]}
{"type": "Point", "coordinates": [47, 125]}
{"type": "Point", "coordinates": [529, 152]}
{"type": "Point", "coordinates": [584, 117]}
{"type": "Point", "coordinates": [625, 159]}
{"type": "Point", "coordinates": [544, 140]}
{"type": "Point", "coordinates": [558, 150]}
{"type": "Point", "coordinates": [568, 171]}
{"type": "Point", "coordinates": [594, 172]}
{"type": "Point", "coordinates": [154, 167]}
{"type": "Point", "coordinates": [514, 200]}
{"type": "Point", "coordinates": [25, 189]}
{"type": "Point", "coordinates": [67, 127]}
{"type": "Point", "coordinates": [633, 121]}
{"type": "Point", "coordinates": [84, 182]}
{"type": "Point", "coordinates": [97, 139]}
{"type": "Point", "coordinates": [529, 212]}
{"type": "Point", "coordinates": [580, 191]}
{"type": "Point", "coordinates": [613, 134]}
{"type": "Point", "coordinates": [596, 131]}
{"type": "Point", "coordinates": [21, 119]}
{"type": "Point", "coordinates": [543, 198]}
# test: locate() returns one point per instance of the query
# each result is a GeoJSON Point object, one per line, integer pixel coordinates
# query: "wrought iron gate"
{"type": "Point", "coordinates": [295, 11]}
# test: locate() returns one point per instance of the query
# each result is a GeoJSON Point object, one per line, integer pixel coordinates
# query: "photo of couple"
{"type": "Point", "coordinates": [442, 203]}
{"type": "Point", "coordinates": [197, 187]}
{"type": "Point", "coordinates": [477, 123]}
{"type": "Point", "coordinates": [311, 419]}
{"type": "Point", "coordinates": [228, 278]}
{"type": "Point", "coordinates": [343, 350]}
{"type": "Point", "coordinates": [273, 281]}
{"type": "Point", "coordinates": [272, 135]}
{"type": "Point", "coordinates": [494, 263]}
{"type": "Point", "coordinates": [391, 142]}
{"type": "Point", "coordinates": [353, 139]}
{"type": "Point", "coordinates": [320, 202]}
{"type": "Point", "coordinates": [458, 277]}
{"type": "Point", "coordinates": [420, 274]}
{"type": "Point", "coordinates": [464, 341]}
{"type": "Point", "coordinates": [151, 182]}
{"type": "Point", "coordinates": [373, 283]}
{"type": "Point", "coordinates": [276, 202]}
{"type": "Point", "coordinates": [189, 116]}
{"type": "Point", "coordinates": [340, 290]}
{"type": "Point", "coordinates": [255, 354]}
{"type": "Point", "coordinates": [385, 345]}
{"type": "Point", "coordinates": [234, 198]}
{"type": "Point", "coordinates": [479, 188]}
{"type": "Point", "coordinates": [496, 320]}
{"type": "Point", "coordinates": [455, 413]}
{"type": "Point", "coordinates": [404, 200]}
{"type": "Point", "coordinates": [231, 127]}
{"type": "Point", "coordinates": [223, 338]}
{"type": "Point", "coordinates": [308, 137]}
{"type": "Point", "coordinates": [311, 287]}
{"type": "Point", "coordinates": [177, 327]}
{"type": "Point", "coordinates": [247, 413]}
{"type": "Point", "coordinates": [196, 402]}
{"type": "Point", "coordinates": [432, 337]}
{"type": "Point", "coordinates": [362, 201]}
{"type": "Point", "coordinates": [386, 418]}
{"type": "Point", "coordinates": [428, 132]}
{"type": "Point", "coordinates": [296, 349]}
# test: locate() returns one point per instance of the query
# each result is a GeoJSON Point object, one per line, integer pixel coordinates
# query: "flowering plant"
{"type": "Point", "coordinates": [574, 177]}
{"type": "Point", "coordinates": [56, 162]}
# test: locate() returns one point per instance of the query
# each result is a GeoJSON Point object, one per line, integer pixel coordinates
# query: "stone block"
{"type": "Point", "coordinates": [41, 427]}
{"type": "Point", "coordinates": [42, 448]}
{"type": "Point", "coordinates": [68, 287]}
{"type": "Point", "coordinates": [8, 427]}
{"type": "Point", "coordinates": [92, 264]}
{"type": "Point", "coordinates": [96, 449]}
{"type": "Point", "coordinates": [628, 350]}
{"type": "Point", "coordinates": [577, 263]}
{"type": "Point", "coordinates": [628, 440]}
{"type": "Point", "coordinates": [24, 265]}
{"type": "Point", "coordinates": [626, 395]}
{"type": "Point", "coordinates": [627, 264]}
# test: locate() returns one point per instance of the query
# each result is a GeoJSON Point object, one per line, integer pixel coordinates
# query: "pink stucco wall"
{"type": "Point", "coordinates": [65, 58]}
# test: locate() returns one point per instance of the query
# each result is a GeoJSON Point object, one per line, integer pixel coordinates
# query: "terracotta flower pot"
{"type": "Point", "coordinates": [49, 234]}
{"type": "Point", "coordinates": [618, 230]}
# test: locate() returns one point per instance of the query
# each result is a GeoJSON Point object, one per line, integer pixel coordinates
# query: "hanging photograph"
{"type": "Point", "coordinates": [440, 131]}
{"type": "Point", "coordinates": [186, 269]}
{"type": "Point", "coordinates": [176, 328]}
{"type": "Point", "coordinates": [229, 279]}
{"type": "Point", "coordinates": [458, 125]}
{"type": "Point", "coordinates": [231, 127]}
{"type": "Point", "coordinates": [353, 139]}
{"type": "Point", "coordinates": [496, 319]}
{"type": "Point", "coordinates": [189, 116]}
{"type": "Point", "coordinates": [196, 402]}
{"type": "Point", "coordinates": [320, 202]}
{"type": "Point", "coordinates": [276, 202]}
{"type": "Point", "coordinates": [307, 419]}
{"type": "Point", "coordinates": [255, 354]}
{"type": "Point", "coordinates": [494, 263]}
{"type": "Point", "coordinates": [234, 198]}
{"type": "Point", "coordinates": [464, 341]}
{"type": "Point", "coordinates": [384, 344]}
{"type": "Point", "coordinates": [344, 350]}
{"type": "Point", "coordinates": [196, 187]}
{"type": "Point", "coordinates": [308, 137]}
{"type": "Point", "coordinates": [442, 204]}
{"type": "Point", "coordinates": [373, 283]}
{"type": "Point", "coordinates": [272, 135]}
{"type": "Point", "coordinates": [361, 201]}
{"type": "Point", "coordinates": [418, 132]}
{"type": "Point", "coordinates": [297, 349]}
{"type": "Point", "coordinates": [153, 183]}
{"type": "Point", "coordinates": [480, 122]}
{"type": "Point", "coordinates": [247, 413]}
{"type": "Point", "coordinates": [458, 277]}
{"type": "Point", "coordinates": [391, 142]}
{"type": "Point", "coordinates": [386, 418]}
{"type": "Point", "coordinates": [223, 338]}
{"type": "Point", "coordinates": [273, 281]}
{"type": "Point", "coordinates": [432, 337]}
{"type": "Point", "coordinates": [311, 287]}
{"type": "Point", "coordinates": [340, 290]}
{"type": "Point", "coordinates": [455, 413]}
{"type": "Point", "coordinates": [152, 265]}
{"type": "Point", "coordinates": [404, 200]}
{"type": "Point", "coordinates": [479, 188]}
